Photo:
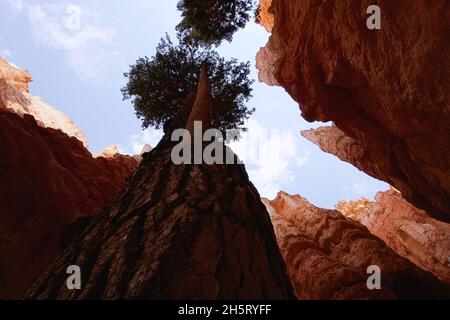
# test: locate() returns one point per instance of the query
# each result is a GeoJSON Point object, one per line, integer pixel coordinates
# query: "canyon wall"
{"type": "Point", "coordinates": [327, 256]}
{"type": "Point", "coordinates": [387, 90]}
{"type": "Point", "coordinates": [48, 180]}
{"type": "Point", "coordinates": [410, 232]}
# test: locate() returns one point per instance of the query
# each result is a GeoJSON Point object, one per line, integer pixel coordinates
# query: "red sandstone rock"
{"type": "Point", "coordinates": [373, 159]}
{"type": "Point", "coordinates": [266, 18]}
{"type": "Point", "coordinates": [48, 181]}
{"type": "Point", "coordinates": [108, 152]}
{"type": "Point", "coordinates": [407, 230]}
{"type": "Point", "coordinates": [389, 89]}
{"type": "Point", "coordinates": [327, 256]}
{"type": "Point", "coordinates": [17, 78]}
{"type": "Point", "coordinates": [410, 232]}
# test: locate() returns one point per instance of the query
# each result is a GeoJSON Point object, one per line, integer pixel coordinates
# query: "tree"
{"type": "Point", "coordinates": [211, 21]}
{"type": "Point", "coordinates": [162, 88]}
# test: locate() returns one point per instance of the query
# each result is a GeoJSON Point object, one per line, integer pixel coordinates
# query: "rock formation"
{"type": "Point", "coordinates": [388, 89]}
{"type": "Point", "coordinates": [146, 149]}
{"type": "Point", "coordinates": [373, 159]}
{"type": "Point", "coordinates": [175, 232]}
{"type": "Point", "coordinates": [108, 152]}
{"type": "Point", "coordinates": [15, 96]}
{"type": "Point", "coordinates": [48, 180]}
{"type": "Point", "coordinates": [265, 17]}
{"type": "Point", "coordinates": [18, 78]}
{"type": "Point", "coordinates": [327, 256]}
{"type": "Point", "coordinates": [410, 232]}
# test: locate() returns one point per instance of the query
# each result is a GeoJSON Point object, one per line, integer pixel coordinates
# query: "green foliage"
{"type": "Point", "coordinates": [211, 21]}
{"type": "Point", "coordinates": [163, 88]}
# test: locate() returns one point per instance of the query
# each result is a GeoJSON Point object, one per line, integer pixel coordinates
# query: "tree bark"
{"type": "Point", "coordinates": [176, 232]}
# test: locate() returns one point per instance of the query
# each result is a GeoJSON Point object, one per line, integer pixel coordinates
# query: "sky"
{"type": "Point", "coordinates": [77, 52]}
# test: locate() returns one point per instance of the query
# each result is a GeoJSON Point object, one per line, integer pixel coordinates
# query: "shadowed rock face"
{"type": "Point", "coordinates": [327, 256]}
{"type": "Point", "coordinates": [410, 232]}
{"type": "Point", "coordinates": [406, 229]}
{"type": "Point", "coordinates": [175, 232]}
{"type": "Point", "coordinates": [388, 90]}
{"type": "Point", "coordinates": [48, 180]}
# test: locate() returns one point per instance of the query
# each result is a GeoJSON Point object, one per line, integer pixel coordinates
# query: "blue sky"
{"type": "Point", "coordinates": [78, 65]}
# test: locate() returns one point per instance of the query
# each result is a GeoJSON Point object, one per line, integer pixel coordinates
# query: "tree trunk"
{"type": "Point", "coordinates": [176, 232]}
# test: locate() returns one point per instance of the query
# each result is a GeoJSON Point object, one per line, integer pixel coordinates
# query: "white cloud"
{"type": "Point", "coordinates": [270, 157]}
{"type": "Point", "coordinates": [303, 158]}
{"type": "Point", "coordinates": [85, 44]}
{"type": "Point", "coordinates": [88, 46]}
{"type": "Point", "coordinates": [363, 189]}
{"type": "Point", "coordinates": [137, 142]}
{"type": "Point", "coordinates": [5, 53]}
{"type": "Point", "coordinates": [16, 5]}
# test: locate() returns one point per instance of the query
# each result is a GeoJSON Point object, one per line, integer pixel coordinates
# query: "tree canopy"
{"type": "Point", "coordinates": [163, 88]}
{"type": "Point", "coordinates": [211, 21]}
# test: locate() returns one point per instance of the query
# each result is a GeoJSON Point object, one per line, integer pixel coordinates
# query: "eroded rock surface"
{"type": "Point", "coordinates": [387, 89]}
{"type": "Point", "coordinates": [48, 180]}
{"type": "Point", "coordinates": [265, 17]}
{"type": "Point", "coordinates": [327, 256]}
{"type": "Point", "coordinates": [17, 78]}
{"type": "Point", "coordinates": [410, 232]}
{"type": "Point", "coordinates": [373, 159]}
